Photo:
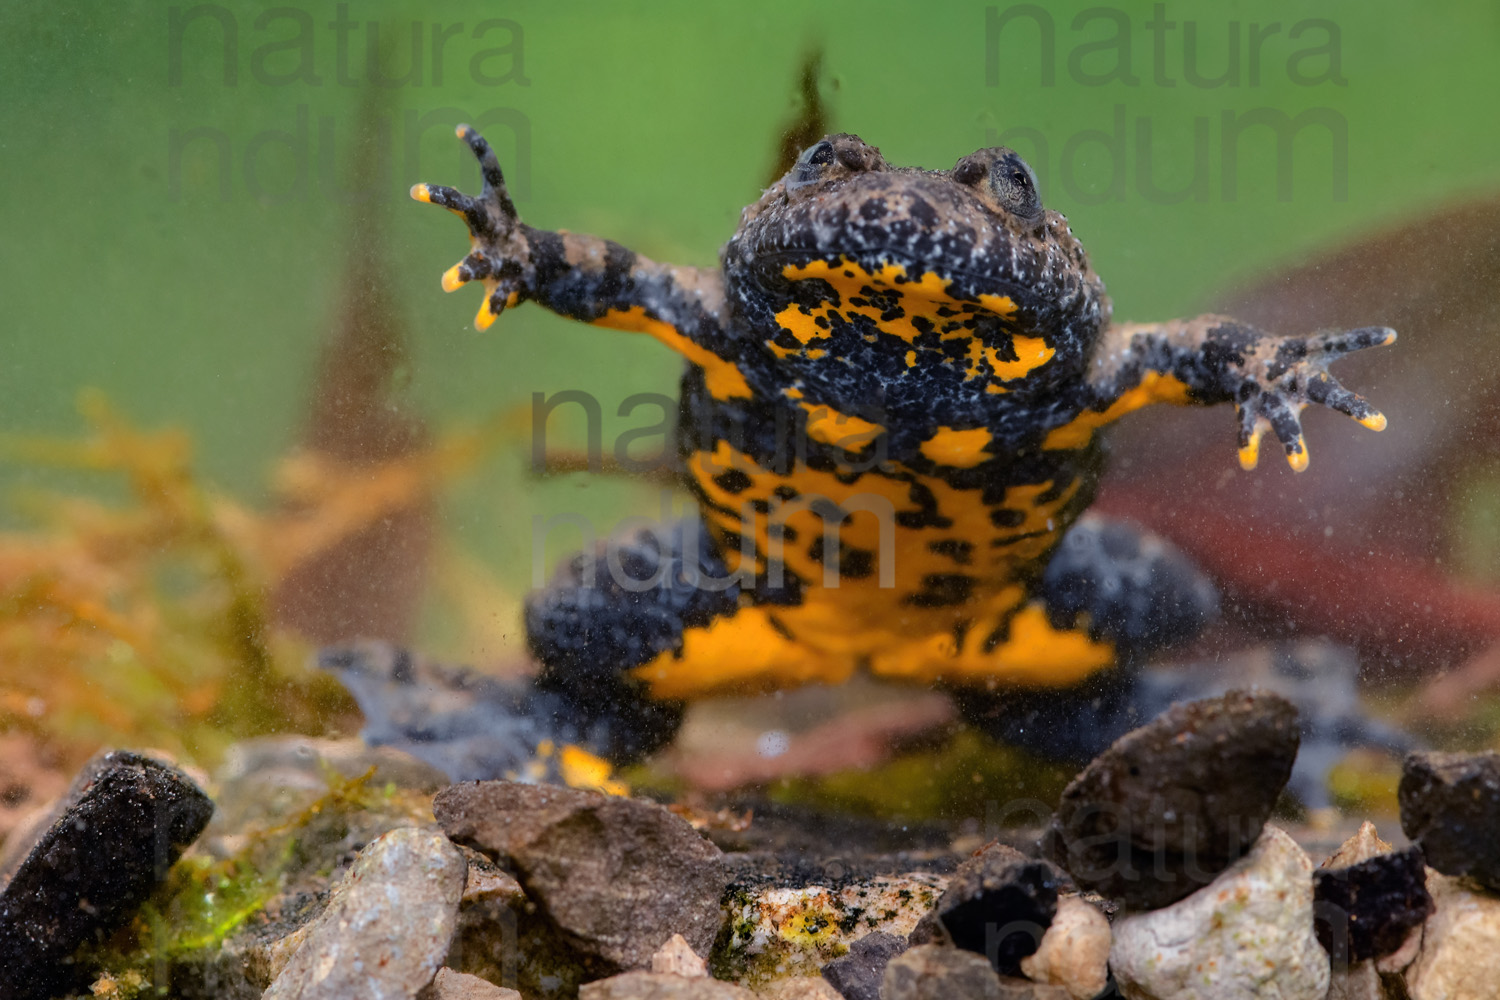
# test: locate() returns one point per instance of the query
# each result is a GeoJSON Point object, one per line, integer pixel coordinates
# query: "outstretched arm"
{"type": "Point", "coordinates": [582, 277]}
{"type": "Point", "coordinates": [1215, 359]}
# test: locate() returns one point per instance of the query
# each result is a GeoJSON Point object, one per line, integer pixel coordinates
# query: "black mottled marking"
{"type": "Point", "coordinates": [733, 481]}
{"type": "Point", "coordinates": [1004, 517]}
{"type": "Point", "coordinates": [853, 563]}
{"type": "Point", "coordinates": [961, 633]}
{"type": "Point", "coordinates": [942, 590]}
{"type": "Point", "coordinates": [926, 515]}
{"type": "Point", "coordinates": [1007, 540]}
{"type": "Point", "coordinates": [959, 550]}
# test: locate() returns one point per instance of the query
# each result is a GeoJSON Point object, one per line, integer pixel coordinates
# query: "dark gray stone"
{"type": "Point", "coordinates": [998, 904]}
{"type": "Point", "coordinates": [932, 972]}
{"type": "Point", "coordinates": [124, 822]}
{"type": "Point", "coordinates": [617, 876]}
{"type": "Point", "coordinates": [857, 973]}
{"type": "Point", "coordinates": [1450, 805]}
{"type": "Point", "coordinates": [1365, 910]}
{"type": "Point", "coordinates": [1173, 803]}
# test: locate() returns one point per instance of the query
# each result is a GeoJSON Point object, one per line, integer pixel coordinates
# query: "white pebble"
{"type": "Point", "coordinates": [1247, 935]}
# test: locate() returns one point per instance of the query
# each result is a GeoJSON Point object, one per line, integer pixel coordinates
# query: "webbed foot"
{"type": "Point", "coordinates": [501, 255]}
{"type": "Point", "coordinates": [467, 725]}
{"type": "Point", "coordinates": [1285, 375]}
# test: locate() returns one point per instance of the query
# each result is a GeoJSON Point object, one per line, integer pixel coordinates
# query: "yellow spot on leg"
{"type": "Point", "coordinates": [419, 192]}
{"type": "Point", "coordinates": [723, 378]}
{"type": "Point", "coordinates": [581, 769]}
{"type": "Point", "coordinates": [1375, 421]}
{"type": "Point", "coordinates": [1154, 388]}
{"type": "Point", "coordinates": [453, 280]}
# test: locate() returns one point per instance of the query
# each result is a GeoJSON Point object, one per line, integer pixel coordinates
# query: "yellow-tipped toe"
{"type": "Point", "coordinates": [484, 317]}
{"type": "Point", "coordinates": [1298, 459]}
{"type": "Point", "coordinates": [420, 193]}
{"type": "Point", "coordinates": [1375, 421]}
{"type": "Point", "coordinates": [452, 279]}
{"type": "Point", "coordinates": [1250, 454]}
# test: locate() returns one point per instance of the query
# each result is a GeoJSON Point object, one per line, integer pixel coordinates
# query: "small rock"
{"type": "Point", "coordinates": [999, 889]}
{"type": "Point", "coordinates": [387, 925]}
{"type": "Point", "coordinates": [677, 958]}
{"type": "Point", "coordinates": [1366, 909]}
{"type": "Point", "coordinates": [1366, 979]}
{"type": "Point", "coordinates": [1012, 988]}
{"type": "Point", "coordinates": [657, 986]}
{"type": "Point", "coordinates": [791, 924]}
{"type": "Point", "coordinates": [1450, 805]}
{"type": "Point", "coordinates": [1460, 956]}
{"type": "Point", "coordinates": [1364, 845]}
{"type": "Point", "coordinates": [1173, 803]}
{"type": "Point", "coordinates": [1246, 935]}
{"type": "Point", "coordinates": [932, 972]}
{"type": "Point", "coordinates": [450, 985]}
{"type": "Point", "coordinates": [1074, 952]}
{"type": "Point", "coordinates": [124, 822]}
{"type": "Point", "coordinates": [1363, 981]}
{"type": "Point", "coordinates": [618, 876]}
{"type": "Point", "coordinates": [801, 988]}
{"type": "Point", "coordinates": [857, 973]}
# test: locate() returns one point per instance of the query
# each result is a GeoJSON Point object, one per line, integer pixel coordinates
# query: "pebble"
{"type": "Point", "coordinates": [790, 924]}
{"type": "Point", "coordinates": [1247, 935]}
{"type": "Point", "coordinates": [387, 925]}
{"type": "Point", "coordinates": [1074, 953]}
{"type": "Point", "coordinates": [617, 876]}
{"type": "Point", "coordinates": [1364, 979]}
{"type": "Point", "coordinates": [124, 822]}
{"type": "Point", "coordinates": [658, 986]}
{"type": "Point", "coordinates": [677, 958]}
{"type": "Point", "coordinates": [451, 985]}
{"type": "Point", "coordinates": [801, 988]}
{"type": "Point", "coordinates": [1450, 805]}
{"type": "Point", "coordinates": [1367, 900]}
{"type": "Point", "coordinates": [857, 973]}
{"type": "Point", "coordinates": [1172, 804]}
{"type": "Point", "coordinates": [999, 888]}
{"type": "Point", "coordinates": [1460, 953]}
{"type": "Point", "coordinates": [933, 972]}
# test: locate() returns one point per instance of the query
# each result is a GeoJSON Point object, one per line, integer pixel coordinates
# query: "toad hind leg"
{"type": "Point", "coordinates": [1107, 583]}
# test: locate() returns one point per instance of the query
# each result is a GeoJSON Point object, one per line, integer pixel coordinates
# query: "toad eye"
{"type": "Point", "coordinates": [809, 166]}
{"type": "Point", "coordinates": [819, 153]}
{"type": "Point", "coordinates": [1006, 180]}
{"type": "Point", "coordinates": [1015, 187]}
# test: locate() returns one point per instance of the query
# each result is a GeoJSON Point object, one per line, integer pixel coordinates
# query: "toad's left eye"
{"type": "Point", "coordinates": [810, 164]}
{"type": "Point", "coordinates": [1009, 180]}
{"type": "Point", "coordinates": [1015, 186]}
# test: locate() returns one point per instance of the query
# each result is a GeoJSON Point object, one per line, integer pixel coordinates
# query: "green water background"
{"type": "Point", "coordinates": [124, 264]}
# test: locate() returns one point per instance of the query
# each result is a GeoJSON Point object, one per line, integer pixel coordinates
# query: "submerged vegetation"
{"type": "Point", "coordinates": [148, 621]}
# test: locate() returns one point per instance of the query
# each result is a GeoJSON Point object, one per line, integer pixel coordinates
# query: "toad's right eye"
{"type": "Point", "coordinates": [810, 164]}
